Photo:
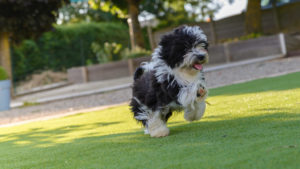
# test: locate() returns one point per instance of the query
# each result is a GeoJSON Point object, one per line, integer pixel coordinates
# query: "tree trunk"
{"type": "Point", "coordinates": [275, 15]}
{"type": "Point", "coordinates": [253, 17]}
{"type": "Point", "coordinates": [133, 10]}
{"type": "Point", "coordinates": [5, 61]}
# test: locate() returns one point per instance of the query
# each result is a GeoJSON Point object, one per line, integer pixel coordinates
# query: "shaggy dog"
{"type": "Point", "coordinates": [172, 81]}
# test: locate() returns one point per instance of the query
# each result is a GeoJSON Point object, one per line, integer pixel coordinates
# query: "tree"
{"type": "Point", "coordinates": [197, 9]}
{"type": "Point", "coordinates": [253, 17]}
{"type": "Point", "coordinates": [133, 10]}
{"type": "Point", "coordinates": [21, 19]}
{"type": "Point", "coordinates": [124, 9]}
{"type": "Point", "coordinates": [174, 11]}
{"type": "Point", "coordinates": [276, 14]}
{"type": "Point", "coordinates": [81, 11]}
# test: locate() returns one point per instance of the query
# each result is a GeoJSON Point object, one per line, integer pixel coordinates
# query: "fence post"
{"type": "Point", "coordinates": [227, 53]}
{"type": "Point", "coordinates": [213, 30]}
{"type": "Point", "coordinates": [275, 16]}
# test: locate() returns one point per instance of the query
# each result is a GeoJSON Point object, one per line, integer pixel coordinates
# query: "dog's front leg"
{"type": "Point", "coordinates": [202, 93]}
{"type": "Point", "coordinates": [157, 126]}
{"type": "Point", "coordinates": [195, 112]}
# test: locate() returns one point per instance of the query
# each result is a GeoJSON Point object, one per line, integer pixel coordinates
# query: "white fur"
{"type": "Point", "coordinates": [189, 80]}
{"type": "Point", "coordinates": [190, 84]}
{"type": "Point", "coordinates": [196, 31]}
{"type": "Point", "coordinates": [196, 113]}
{"type": "Point", "coordinates": [156, 126]}
{"type": "Point", "coordinates": [144, 111]}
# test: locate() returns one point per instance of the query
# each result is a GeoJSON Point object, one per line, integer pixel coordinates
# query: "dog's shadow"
{"type": "Point", "coordinates": [212, 127]}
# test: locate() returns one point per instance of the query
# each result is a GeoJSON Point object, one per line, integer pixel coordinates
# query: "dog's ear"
{"type": "Point", "coordinates": [173, 48]}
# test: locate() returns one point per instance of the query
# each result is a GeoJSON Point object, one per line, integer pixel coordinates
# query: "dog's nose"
{"type": "Point", "coordinates": [200, 57]}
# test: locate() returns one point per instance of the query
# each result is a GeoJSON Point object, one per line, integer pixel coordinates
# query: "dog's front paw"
{"type": "Point", "coordinates": [202, 92]}
{"type": "Point", "coordinates": [196, 113]}
{"type": "Point", "coordinates": [161, 131]}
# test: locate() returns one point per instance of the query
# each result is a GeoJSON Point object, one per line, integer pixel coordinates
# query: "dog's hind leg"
{"type": "Point", "coordinates": [165, 118]}
{"type": "Point", "coordinates": [157, 125]}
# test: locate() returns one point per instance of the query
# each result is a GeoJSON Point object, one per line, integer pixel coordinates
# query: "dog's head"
{"type": "Point", "coordinates": [185, 48]}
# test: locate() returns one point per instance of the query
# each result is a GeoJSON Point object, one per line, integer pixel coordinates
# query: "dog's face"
{"type": "Point", "coordinates": [185, 48]}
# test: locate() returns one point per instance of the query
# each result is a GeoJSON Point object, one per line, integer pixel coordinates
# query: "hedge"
{"type": "Point", "coordinates": [3, 74]}
{"type": "Point", "coordinates": [64, 47]}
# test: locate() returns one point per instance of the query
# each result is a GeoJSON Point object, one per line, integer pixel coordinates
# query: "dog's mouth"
{"type": "Point", "coordinates": [198, 66]}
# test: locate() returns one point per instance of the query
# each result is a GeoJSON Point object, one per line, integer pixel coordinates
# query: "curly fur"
{"type": "Point", "coordinates": [171, 81]}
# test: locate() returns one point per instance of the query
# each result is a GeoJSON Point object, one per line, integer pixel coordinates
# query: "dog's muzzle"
{"type": "Point", "coordinates": [200, 59]}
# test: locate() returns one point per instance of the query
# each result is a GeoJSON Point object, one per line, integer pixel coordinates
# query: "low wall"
{"type": "Point", "coordinates": [222, 53]}
{"type": "Point", "coordinates": [108, 71]}
{"type": "Point", "coordinates": [247, 49]}
{"type": "Point", "coordinates": [105, 71]}
{"type": "Point", "coordinates": [255, 48]}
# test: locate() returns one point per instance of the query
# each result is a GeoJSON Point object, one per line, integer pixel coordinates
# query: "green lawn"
{"type": "Point", "coordinates": [249, 125]}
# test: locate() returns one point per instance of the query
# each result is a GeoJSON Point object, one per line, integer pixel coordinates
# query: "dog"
{"type": "Point", "coordinates": [173, 80]}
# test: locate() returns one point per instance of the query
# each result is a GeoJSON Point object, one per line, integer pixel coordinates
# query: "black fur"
{"type": "Point", "coordinates": [146, 88]}
{"type": "Point", "coordinates": [138, 72]}
{"type": "Point", "coordinates": [153, 94]}
{"type": "Point", "coordinates": [176, 45]}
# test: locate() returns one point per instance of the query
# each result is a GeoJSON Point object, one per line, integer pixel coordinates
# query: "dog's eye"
{"type": "Point", "coordinates": [202, 45]}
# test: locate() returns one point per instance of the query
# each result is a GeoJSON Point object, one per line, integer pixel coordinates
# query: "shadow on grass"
{"type": "Point", "coordinates": [278, 126]}
{"type": "Point", "coordinates": [40, 136]}
{"type": "Point", "coordinates": [286, 82]}
{"type": "Point", "coordinates": [203, 130]}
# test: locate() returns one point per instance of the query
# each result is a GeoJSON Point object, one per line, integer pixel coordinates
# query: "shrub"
{"type": "Point", "coordinates": [3, 74]}
{"type": "Point", "coordinates": [70, 45]}
{"type": "Point", "coordinates": [27, 58]}
{"type": "Point", "coordinates": [65, 47]}
{"type": "Point", "coordinates": [109, 51]}
{"type": "Point", "coordinates": [137, 52]}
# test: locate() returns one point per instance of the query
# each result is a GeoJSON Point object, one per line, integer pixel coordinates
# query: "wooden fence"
{"type": "Point", "coordinates": [234, 26]}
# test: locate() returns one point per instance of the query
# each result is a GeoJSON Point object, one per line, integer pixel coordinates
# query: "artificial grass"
{"type": "Point", "coordinates": [249, 125]}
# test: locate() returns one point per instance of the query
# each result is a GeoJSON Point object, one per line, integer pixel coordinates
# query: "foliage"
{"type": "Point", "coordinates": [114, 51]}
{"type": "Point", "coordinates": [249, 125]}
{"type": "Point", "coordinates": [3, 74]}
{"type": "Point", "coordinates": [66, 46]}
{"type": "Point", "coordinates": [251, 36]}
{"type": "Point", "coordinates": [109, 51]}
{"type": "Point", "coordinates": [115, 7]}
{"type": "Point", "coordinates": [82, 11]}
{"type": "Point", "coordinates": [124, 9]}
{"type": "Point", "coordinates": [169, 12]}
{"type": "Point", "coordinates": [174, 13]}
{"type": "Point", "coordinates": [28, 18]}
{"type": "Point", "coordinates": [134, 53]}
{"type": "Point", "coordinates": [27, 58]}
{"type": "Point", "coordinates": [245, 37]}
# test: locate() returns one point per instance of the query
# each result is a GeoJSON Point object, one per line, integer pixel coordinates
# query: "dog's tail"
{"type": "Point", "coordinates": [138, 73]}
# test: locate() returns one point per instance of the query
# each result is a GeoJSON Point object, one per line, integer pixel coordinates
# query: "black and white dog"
{"type": "Point", "coordinates": [172, 81]}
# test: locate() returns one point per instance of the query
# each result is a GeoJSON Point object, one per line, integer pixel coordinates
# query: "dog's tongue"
{"type": "Point", "coordinates": [198, 66]}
